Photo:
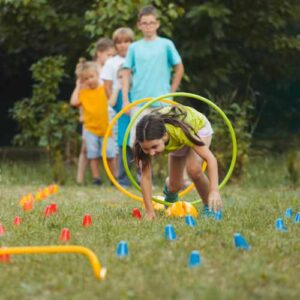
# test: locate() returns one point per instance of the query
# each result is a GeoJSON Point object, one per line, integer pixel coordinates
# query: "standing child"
{"type": "Point", "coordinates": [186, 134]}
{"type": "Point", "coordinates": [112, 77]}
{"type": "Point", "coordinates": [150, 61]}
{"type": "Point", "coordinates": [92, 98]}
{"type": "Point", "coordinates": [105, 50]}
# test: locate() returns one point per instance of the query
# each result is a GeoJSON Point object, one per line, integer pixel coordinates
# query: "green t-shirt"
{"type": "Point", "coordinates": [177, 138]}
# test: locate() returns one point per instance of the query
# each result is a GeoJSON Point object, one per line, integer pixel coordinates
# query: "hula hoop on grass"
{"type": "Point", "coordinates": [189, 95]}
{"type": "Point", "coordinates": [104, 157]}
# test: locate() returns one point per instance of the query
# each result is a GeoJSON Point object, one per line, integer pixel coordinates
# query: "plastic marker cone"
{"type": "Point", "coordinates": [218, 215]}
{"type": "Point", "coordinates": [2, 230]}
{"type": "Point", "coordinates": [4, 258]}
{"type": "Point", "coordinates": [53, 207]}
{"type": "Point", "coordinates": [136, 213]}
{"type": "Point", "coordinates": [297, 217]}
{"type": "Point", "coordinates": [279, 225]}
{"type": "Point", "coordinates": [240, 242]}
{"type": "Point", "coordinates": [17, 220]}
{"type": "Point", "coordinates": [28, 205]}
{"type": "Point", "coordinates": [47, 211]}
{"type": "Point", "coordinates": [194, 259]}
{"type": "Point", "coordinates": [122, 249]}
{"type": "Point", "coordinates": [170, 233]}
{"type": "Point", "coordinates": [65, 235]}
{"type": "Point", "coordinates": [87, 220]}
{"type": "Point", "coordinates": [289, 213]}
{"type": "Point", "coordinates": [190, 221]}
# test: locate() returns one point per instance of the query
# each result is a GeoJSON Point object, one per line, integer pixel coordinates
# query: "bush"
{"type": "Point", "coordinates": [241, 117]}
{"type": "Point", "coordinates": [45, 121]}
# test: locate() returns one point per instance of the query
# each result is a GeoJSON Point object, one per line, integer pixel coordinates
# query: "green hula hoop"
{"type": "Point", "coordinates": [188, 95]}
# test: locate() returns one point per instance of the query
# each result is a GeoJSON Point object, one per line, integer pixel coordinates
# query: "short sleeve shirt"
{"type": "Point", "coordinates": [151, 63]}
{"type": "Point", "coordinates": [177, 138]}
{"type": "Point", "coordinates": [110, 69]}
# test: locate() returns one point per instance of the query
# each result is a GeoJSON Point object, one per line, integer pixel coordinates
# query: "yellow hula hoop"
{"type": "Point", "coordinates": [99, 271]}
{"type": "Point", "coordinates": [104, 157]}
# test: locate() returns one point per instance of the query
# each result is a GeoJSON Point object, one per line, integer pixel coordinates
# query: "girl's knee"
{"type": "Point", "coordinates": [195, 172]}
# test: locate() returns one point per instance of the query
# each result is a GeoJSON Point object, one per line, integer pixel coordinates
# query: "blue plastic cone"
{"type": "Point", "coordinates": [170, 232]}
{"type": "Point", "coordinates": [279, 225]}
{"type": "Point", "coordinates": [194, 259]}
{"type": "Point", "coordinates": [122, 249]}
{"type": "Point", "coordinates": [289, 213]}
{"type": "Point", "coordinates": [218, 215]}
{"type": "Point", "coordinates": [190, 221]}
{"type": "Point", "coordinates": [297, 217]}
{"type": "Point", "coordinates": [240, 242]}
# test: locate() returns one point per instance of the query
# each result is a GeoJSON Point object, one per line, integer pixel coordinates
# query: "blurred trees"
{"type": "Point", "coordinates": [251, 48]}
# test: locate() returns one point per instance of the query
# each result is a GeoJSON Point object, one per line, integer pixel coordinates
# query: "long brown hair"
{"type": "Point", "coordinates": [152, 127]}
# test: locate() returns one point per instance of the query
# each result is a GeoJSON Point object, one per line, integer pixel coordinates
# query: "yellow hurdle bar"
{"type": "Point", "coordinates": [98, 271]}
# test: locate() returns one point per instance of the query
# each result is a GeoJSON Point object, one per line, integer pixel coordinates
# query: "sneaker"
{"type": "Point", "coordinates": [97, 181]}
{"type": "Point", "coordinates": [206, 212]}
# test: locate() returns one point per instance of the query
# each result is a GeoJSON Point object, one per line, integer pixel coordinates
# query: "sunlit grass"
{"type": "Point", "coordinates": [155, 268]}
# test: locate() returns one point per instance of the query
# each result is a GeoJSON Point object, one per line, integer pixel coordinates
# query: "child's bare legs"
{"type": "Point", "coordinates": [112, 163]}
{"type": "Point", "coordinates": [95, 168]}
{"type": "Point", "coordinates": [82, 163]}
{"type": "Point", "coordinates": [194, 170]}
{"type": "Point", "coordinates": [176, 165]}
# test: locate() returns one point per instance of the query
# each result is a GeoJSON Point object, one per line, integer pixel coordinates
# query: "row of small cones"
{"type": "Point", "coordinates": [49, 210]}
{"type": "Point", "coordinates": [27, 201]}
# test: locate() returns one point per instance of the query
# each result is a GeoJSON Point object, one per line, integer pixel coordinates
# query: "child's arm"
{"type": "Point", "coordinates": [126, 75]}
{"type": "Point", "coordinates": [74, 101]}
{"type": "Point", "coordinates": [214, 198]}
{"type": "Point", "coordinates": [146, 185]}
{"type": "Point", "coordinates": [113, 98]}
{"type": "Point", "coordinates": [178, 73]}
{"type": "Point", "coordinates": [108, 88]}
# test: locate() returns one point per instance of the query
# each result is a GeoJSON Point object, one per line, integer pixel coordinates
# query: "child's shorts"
{"type": "Point", "coordinates": [203, 132]}
{"type": "Point", "coordinates": [94, 145]}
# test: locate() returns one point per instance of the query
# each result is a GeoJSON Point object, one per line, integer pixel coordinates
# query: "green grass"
{"type": "Point", "coordinates": [155, 268]}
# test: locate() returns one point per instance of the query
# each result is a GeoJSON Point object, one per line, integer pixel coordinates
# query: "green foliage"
{"type": "Point", "coordinates": [43, 120]}
{"type": "Point", "coordinates": [107, 15]}
{"type": "Point", "coordinates": [241, 117]}
{"type": "Point", "coordinates": [32, 29]}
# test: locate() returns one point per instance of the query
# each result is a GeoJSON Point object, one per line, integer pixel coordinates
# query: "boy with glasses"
{"type": "Point", "coordinates": [149, 61]}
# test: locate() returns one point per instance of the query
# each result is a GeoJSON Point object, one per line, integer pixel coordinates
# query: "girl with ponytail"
{"type": "Point", "coordinates": [185, 134]}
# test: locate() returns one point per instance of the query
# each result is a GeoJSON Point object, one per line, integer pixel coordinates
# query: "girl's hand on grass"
{"type": "Point", "coordinates": [214, 201]}
{"type": "Point", "coordinates": [150, 215]}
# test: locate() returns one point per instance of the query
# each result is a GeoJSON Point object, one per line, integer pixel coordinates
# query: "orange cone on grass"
{"type": "Point", "coordinates": [87, 220]}
{"type": "Point", "coordinates": [136, 213]}
{"type": "Point", "coordinates": [17, 220]}
{"type": "Point", "coordinates": [53, 207]}
{"type": "Point", "coordinates": [65, 235]}
{"type": "Point", "coordinates": [47, 211]}
{"type": "Point", "coordinates": [2, 230]}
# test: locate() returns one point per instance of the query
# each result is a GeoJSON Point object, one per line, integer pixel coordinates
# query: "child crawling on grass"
{"type": "Point", "coordinates": [185, 134]}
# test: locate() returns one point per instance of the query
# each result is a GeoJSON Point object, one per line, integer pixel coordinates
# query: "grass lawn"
{"type": "Point", "coordinates": [155, 268]}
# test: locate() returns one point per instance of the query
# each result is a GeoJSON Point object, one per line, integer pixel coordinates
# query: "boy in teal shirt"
{"type": "Point", "coordinates": [150, 62]}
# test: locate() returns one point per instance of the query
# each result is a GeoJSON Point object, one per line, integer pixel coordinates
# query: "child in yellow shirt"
{"type": "Point", "coordinates": [93, 100]}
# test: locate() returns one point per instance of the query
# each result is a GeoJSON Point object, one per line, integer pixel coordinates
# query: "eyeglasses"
{"type": "Point", "coordinates": [153, 23]}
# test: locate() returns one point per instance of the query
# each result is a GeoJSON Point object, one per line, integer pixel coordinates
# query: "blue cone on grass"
{"type": "Point", "coordinates": [190, 221]}
{"type": "Point", "coordinates": [194, 259]}
{"type": "Point", "coordinates": [288, 213]}
{"type": "Point", "coordinates": [279, 225]}
{"type": "Point", "coordinates": [218, 215]}
{"type": "Point", "coordinates": [240, 242]}
{"type": "Point", "coordinates": [170, 233]}
{"type": "Point", "coordinates": [122, 249]}
{"type": "Point", "coordinates": [297, 217]}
